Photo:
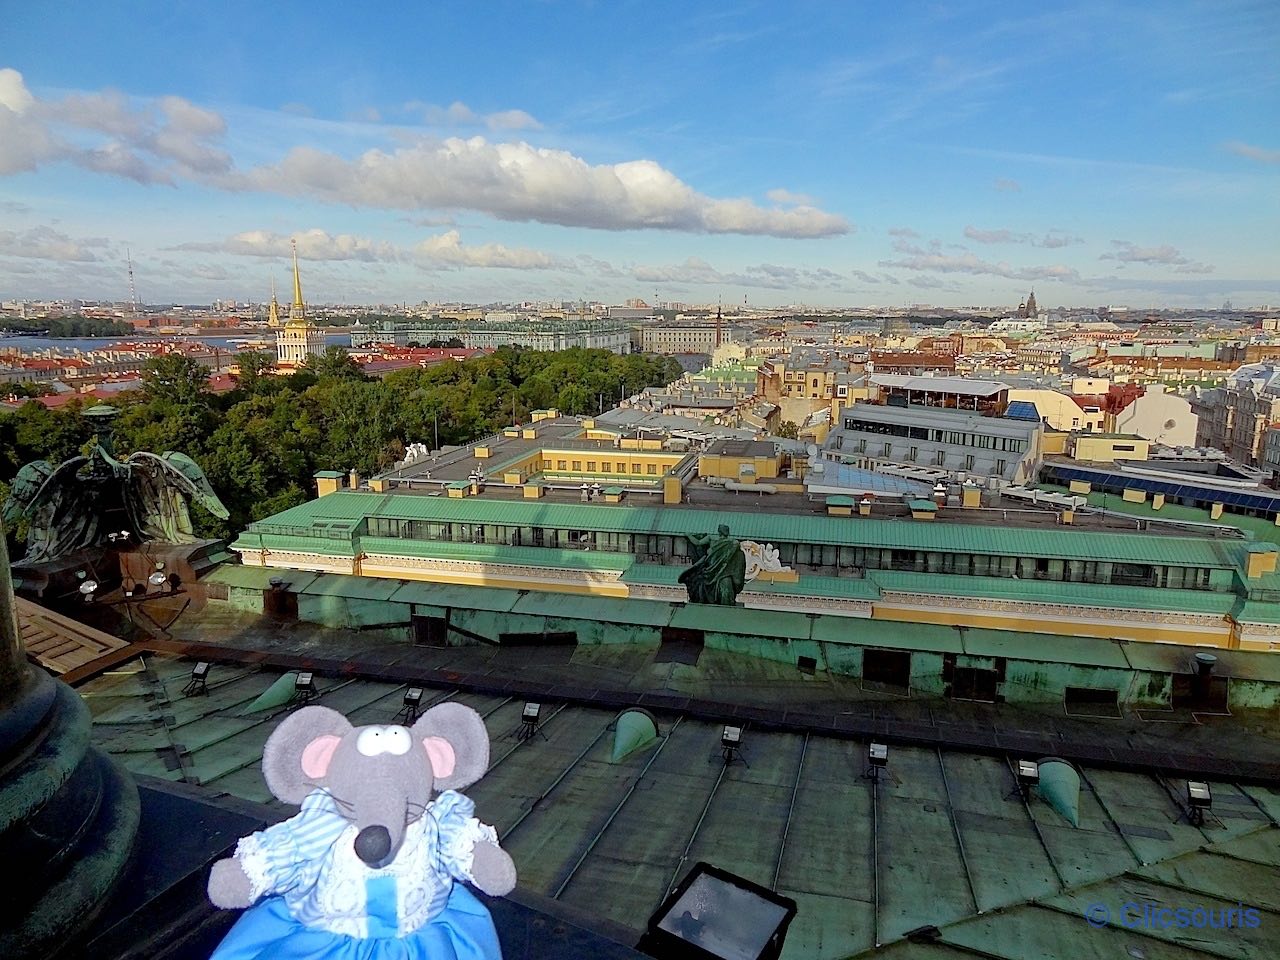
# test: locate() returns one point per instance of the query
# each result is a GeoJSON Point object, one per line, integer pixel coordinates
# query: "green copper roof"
{"type": "Point", "coordinates": [257, 578]}
{"type": "Point", "coordinates": [605, 609]}
{"type": "Point", "coordinates": [1054, 591]}
{"type": "Point", "coordinates": [497, 553]}
{"type": "Point", "coordinates": [941, 841]}
{"type": "Point", "coordinates": [622, 518]}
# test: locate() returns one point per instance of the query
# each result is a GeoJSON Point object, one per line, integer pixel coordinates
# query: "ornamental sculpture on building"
{"type": "Point", "coordinates": [762, 559]}
{"type": "Point", "coordinates": [719, 569]}
{"type": "Point", "coordinates": [83, 501]}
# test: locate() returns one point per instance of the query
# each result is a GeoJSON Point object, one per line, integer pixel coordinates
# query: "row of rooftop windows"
{"type": "Point", "coordinates": [937, 458]}
{"type": "Point", "coordinates": [605, 466]}
{"type": "Point", "coordinates": [982, 441]}
{"type": "Point", "coordinates": [826, 559]}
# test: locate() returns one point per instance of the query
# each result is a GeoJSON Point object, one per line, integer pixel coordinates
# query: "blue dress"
{"type": "Point", "coordinates": [317, 901]}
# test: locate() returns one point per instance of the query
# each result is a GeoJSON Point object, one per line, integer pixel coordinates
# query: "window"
{"type": "Point", "coordinates": [968, 462]}
{"type": "Point", "coordinates": [635, 468]}
{"type": "Point", "coordinates": [562, 465]}
{"type": "Point", "coordinates": [622, 468]}
{"type": "Point", "coordinates": [651, 469]}
{"type": "Point", "coordinates": [591, 466]}
{"type": "Point", "coordinates": [606, 466]}
{"type": "Point", "coordinates": [939, 458]}
{"type": "Point", "coordinates": [1000, 467]}
{"type": "Point", "coordinates": [890, 668]}
{"type": "Point", "coordinates": [973, 683]}
{"type": "Point", "coordinates": [577, 466]}
{"type": "Point", "coordinates": [1091, 702]}
{"type": "Point", "coordinates": [888, 449]}
{"type": "Point", "coordinates": [912, 454]}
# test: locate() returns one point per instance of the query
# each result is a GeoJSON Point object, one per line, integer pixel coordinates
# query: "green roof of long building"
{"type": "Point", "coordinates": [324, 516]}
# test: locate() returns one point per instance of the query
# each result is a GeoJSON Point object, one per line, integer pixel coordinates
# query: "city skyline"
{"type": "Point", "coordinates": [950, 154]}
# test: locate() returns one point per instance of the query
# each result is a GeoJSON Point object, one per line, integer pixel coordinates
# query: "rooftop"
{"type": "Point", "coordinates": [942, 840]}
{"type": "Point", "coordinates": [741, 448]}
{"type": "Point", "coordinates": [963, 386]}
{"type": "Point", "coordinates": [942, 418]}
{"type": "Point", "coordinates": [989, 537]}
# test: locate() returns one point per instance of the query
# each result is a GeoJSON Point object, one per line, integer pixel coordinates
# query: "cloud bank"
{"type": "Point", "coordinates": [170, 139]}
{"type": "Point", "coordinates": [1127, 252]}
{"type": "Point", "coordinates": [445, 251]}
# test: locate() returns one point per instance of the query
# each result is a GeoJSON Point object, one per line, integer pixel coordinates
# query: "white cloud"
{"type": "Point", "coordinates": [1253, 153]}
{"type": "Point", "coordinates": [107, 112]}
{"type": "Point", "coordinates": [696, 271]}
{"type": "Point", "coordinates": [1051, 240]}
{"type": "Point", "coordinates": [1054, 240]}
{"type": "Point", "coordinates": [443, 251]}
{"type": "Point", "coordinates": [989, 236]}
{"type": "Point", "coordinates": [313, 244]}
{"type": "Point", "coordinates": [118, 160]}
{"type": "Point", "coordinates": [447, 250]}
{"type": "Point", "coordinates": [933, 260]}
{"type": "Point", "coordinates": [517, 181]}
{"type": "Point", "coordinates": [170, 139]}
{"type": "Point", "coordinates": [46, 243]}
{"type": "Point", "coordinates": [458, 114]}
{"type": "Point", "coordinates": [787, 198]}
{"type": "Point", "coordinates": [25, 143]}
{"type": "Point", "coordinates": [150, 143]}
{"type": "Point", "coordinates": [14, 95]}
{"type": "Point", "coordinates": [186, 117]}
{"type": "Point", "coordinates": [904, 232]}
{"type": "Point", "coordinates": [1128, 252]}
{"type": "Point", "coordinates": [511, 120]}
{"type": "Point", "coordinates": [1004, 185]}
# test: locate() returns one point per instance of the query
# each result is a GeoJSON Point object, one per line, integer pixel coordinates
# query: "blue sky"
{"type": "Point", "coordinates": [830, 153]}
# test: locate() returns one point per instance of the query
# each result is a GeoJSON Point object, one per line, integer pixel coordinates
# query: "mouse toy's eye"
{"type": "Point", "coordinates": [374, 741]}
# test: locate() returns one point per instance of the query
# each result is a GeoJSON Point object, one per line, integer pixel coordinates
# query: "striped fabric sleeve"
{"type": "Point", "coordinates": [459, 833]}
{"type": "Point", "coordinates": [288, 854]}
{"type": "Point", "coordinates": [268, 859]}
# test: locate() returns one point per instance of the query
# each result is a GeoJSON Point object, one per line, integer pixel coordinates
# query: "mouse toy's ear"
{"type": "Point", "coordinates": [296, 758]}
{"type": "Point", "coordinates": [457, 745]}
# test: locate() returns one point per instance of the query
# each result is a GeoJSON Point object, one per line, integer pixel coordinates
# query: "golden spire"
{"type": "Point", "coordinates": [273, 311]}
{"type": "Point", "coordinates": [298, 311]}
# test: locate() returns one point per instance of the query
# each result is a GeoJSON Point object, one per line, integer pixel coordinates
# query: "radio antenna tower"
{"type": "Point", "coordinates": [133, 291]}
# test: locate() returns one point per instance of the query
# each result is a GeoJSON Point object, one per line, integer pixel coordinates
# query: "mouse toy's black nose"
{"type": "Point", "coordinates": [373, 845]}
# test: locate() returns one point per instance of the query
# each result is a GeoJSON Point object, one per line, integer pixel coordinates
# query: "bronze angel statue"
{"type": "Point", "coordinates": [72, 507]}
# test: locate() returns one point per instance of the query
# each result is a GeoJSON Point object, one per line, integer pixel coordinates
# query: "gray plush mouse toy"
{"type": "Point", "coordinates": [367, 869]}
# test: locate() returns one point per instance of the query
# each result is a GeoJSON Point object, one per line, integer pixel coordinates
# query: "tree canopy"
{"type": "Point", "coordinates": [72, 326]}
{"type": "Point", "coordinates": [261, 443]}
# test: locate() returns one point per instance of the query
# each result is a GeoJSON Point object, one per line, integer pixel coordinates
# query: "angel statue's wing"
{"type": "Point", "coordinates": [157, 493]}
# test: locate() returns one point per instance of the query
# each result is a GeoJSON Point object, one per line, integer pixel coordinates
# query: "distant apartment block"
{"type": "Point", "coordinates": [1235, 417]}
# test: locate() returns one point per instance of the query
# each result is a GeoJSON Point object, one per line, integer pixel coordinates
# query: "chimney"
{"type": "Point", "coordinates": [355, 479]}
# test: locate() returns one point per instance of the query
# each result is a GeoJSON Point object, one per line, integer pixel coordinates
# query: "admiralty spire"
{"type": "Point", "coordinates": [298, 338]}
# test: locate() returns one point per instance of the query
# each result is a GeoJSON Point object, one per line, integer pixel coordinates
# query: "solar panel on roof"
{"type": "Point", "coordinates": [1113, 482]}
